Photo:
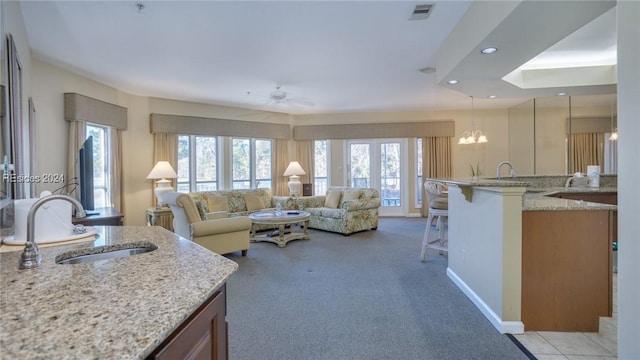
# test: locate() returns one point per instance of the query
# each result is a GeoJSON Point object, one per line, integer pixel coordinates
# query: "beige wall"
{"type": "Point", "coordinates": [550, 131]}
{"type": "Point", "coordinates": [49, 84]}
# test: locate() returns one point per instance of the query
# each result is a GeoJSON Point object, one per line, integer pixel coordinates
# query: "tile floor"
{"type": "Point", "coordinates": [548, 345]}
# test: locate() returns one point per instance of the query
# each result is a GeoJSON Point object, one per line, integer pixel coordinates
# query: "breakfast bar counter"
{"type": "Point", "coordinates": [122, 308]}
{"type": "Point", "coordinates": [533, 258]}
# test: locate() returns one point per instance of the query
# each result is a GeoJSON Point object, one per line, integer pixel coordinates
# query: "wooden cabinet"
{"type": "Point", "coordinates": [103, 216]}
{"type": "Point", "coordinates": [202, 336]}
{"type": "Point", "coordinates": [610, 198]}
{"type": "Point", "coordinates": [566, 269]}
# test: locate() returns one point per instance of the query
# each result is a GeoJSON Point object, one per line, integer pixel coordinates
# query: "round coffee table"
{"type": "Point", "coordinates": [287, 217]}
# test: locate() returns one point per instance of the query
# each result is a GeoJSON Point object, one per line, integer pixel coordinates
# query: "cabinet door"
{"type": "Point", "coordinates": [566, 270]}
{"type": "Point", "coordinates": [202, 336]}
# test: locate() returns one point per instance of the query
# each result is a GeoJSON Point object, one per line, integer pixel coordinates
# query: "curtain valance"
{"type": "Point", "coordinates": [582, 125]}
{"type": "Point", "coordinates": [374, 131]}
{"type": "Point", "coordinates": [83, 108]}
{"type": "Point", "coordinates": [192, 125]}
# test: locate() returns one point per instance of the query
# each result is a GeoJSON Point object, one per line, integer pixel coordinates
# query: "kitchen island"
{"type": "Point", "coordinates": [532, 258]}
{"type": "Point", "coordinates": [126, 308]}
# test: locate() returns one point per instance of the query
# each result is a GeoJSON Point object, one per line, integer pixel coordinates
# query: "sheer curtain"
{"type": "Point", "coordinates": [436, 163]}
{"type": "Point", "coordinates": [587, 149]}
{"type": "Point", "coordinates": [115, 159]}
{"type": "Point", "coordinates": [165, 148]}
{"type": "Point", "coordinates": [304, 155]}
{"type": "Point", "coordinates": [77, 135]}
{"type": "Point", "coordinates": [281, 161]}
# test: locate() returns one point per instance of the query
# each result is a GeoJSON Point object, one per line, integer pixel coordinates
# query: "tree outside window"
{"type": "Point", "coordinates": [101, 168]}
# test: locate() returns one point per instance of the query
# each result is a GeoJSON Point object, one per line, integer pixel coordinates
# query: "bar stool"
{"type": "Point", "coordinates": [439, 210]}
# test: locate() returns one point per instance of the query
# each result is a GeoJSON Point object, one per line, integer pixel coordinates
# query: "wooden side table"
{"type": "Point", "coordinates": [160, 217]}
{"type": "Point", "coordinates": [103, 216]}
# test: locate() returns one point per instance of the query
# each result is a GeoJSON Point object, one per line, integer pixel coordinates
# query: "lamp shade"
{"type": "Point", "coordinates": [162, 170]}
{"type": "Point", "coordinates": [294, 168]}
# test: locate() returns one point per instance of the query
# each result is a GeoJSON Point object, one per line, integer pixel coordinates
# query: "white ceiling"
{"type": "Point", "coordinates": [328, 56]}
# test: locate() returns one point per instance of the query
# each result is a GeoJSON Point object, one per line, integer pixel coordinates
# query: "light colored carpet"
{"type": "Point", "coordinates": [364, 296]}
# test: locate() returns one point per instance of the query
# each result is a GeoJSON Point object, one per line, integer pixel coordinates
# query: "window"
{"type": "Point", "coordinates": [206, 165]}
{"type": "Point", "coordinates": [197, 163]}
{"type": "Point", "coordinates": [251, 161]}
{"type": "Point", "coordinates": [184, 165]}
{"type": "Point", "coordinates": [390, 181]}
{"type": "Point", "coordinates": [101, 164]}
{"type": "Point", "coordinates": [419, 172]}
{"type": "Point", "coordinates": [199, 159]}
{"type": "Point", "coordinates": [320, 167]}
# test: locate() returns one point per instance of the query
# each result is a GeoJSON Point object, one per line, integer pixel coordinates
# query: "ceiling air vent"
{"type": "Point", "coordinates": [421, 12]}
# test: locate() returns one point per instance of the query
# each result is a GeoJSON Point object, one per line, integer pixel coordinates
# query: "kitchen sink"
{"type": "Point", "coordinates": [104, 253]}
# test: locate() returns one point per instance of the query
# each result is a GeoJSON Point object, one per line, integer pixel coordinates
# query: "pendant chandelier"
{"type": "Point", "coordinates": [473, 136]}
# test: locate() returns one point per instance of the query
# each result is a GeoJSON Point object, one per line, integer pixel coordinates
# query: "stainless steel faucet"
{"type": "Point", "coordinates": [511, 171]}
{"type": "Point", "coordinates": [30, 257]}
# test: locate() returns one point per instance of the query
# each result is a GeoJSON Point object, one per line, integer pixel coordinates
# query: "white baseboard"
{"type": "Point", "coordinates": [411, 215]}
{"type": "Point", "coordinates": [504, 327]}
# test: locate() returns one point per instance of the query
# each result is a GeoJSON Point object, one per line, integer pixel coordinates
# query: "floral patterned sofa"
{"type": "Point", "coordinates": [343, 210]}
{"type": "Point", "coordinates": [237, 202]}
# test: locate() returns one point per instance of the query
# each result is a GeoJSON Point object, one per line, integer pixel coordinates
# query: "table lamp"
{"type": "Point", "coordinates": [162, 171]}
{"type": "Point", "coordinates": [294, 170]}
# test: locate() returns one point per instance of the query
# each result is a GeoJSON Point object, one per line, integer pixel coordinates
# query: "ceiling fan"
{"type": "Point", "coordinates": [279, 96]}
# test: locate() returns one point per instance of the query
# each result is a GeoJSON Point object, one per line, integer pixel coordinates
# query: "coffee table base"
{"type": "Point", "coordinates": [282, 238]}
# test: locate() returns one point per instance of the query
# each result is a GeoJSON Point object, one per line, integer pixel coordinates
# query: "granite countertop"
{"type": "Point", "coordinates": [537, 199]}
{"type": "Point", "coordinates": [483, 182]}
{"type": "Point", "coordinates": [540, 198]}
{"type": "Point", "coordinates": [110, 309]}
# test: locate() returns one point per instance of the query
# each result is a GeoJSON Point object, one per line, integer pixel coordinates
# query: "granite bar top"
{"type": "Point", "coordinates": [540, 198]}
{"type": "Point", "coordinates": [483, 182]}
{"type": "Point", "coordinates": [110, 309]}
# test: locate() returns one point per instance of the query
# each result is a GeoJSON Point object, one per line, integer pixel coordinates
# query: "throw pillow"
{"type": "Point", "coordinates": [254, 202]}
{"type": "Point", "coordinates": [332, 200]}
{"type": "Point", "coordinates": [351, 195]}
{"type": "Point", "coordinates": [217, 203]}
{"type": "Point", "coordinates": [201, 210]}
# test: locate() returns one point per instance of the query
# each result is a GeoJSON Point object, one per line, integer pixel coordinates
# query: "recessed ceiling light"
{"type": "Point", "coordinates": [492, 96]}
{"type": "Point", "coordinates": [489, 50]}
{"type": "Point", "coordinates": [452, 82]}
{"type": "Point", "coordinates": [561, 94]}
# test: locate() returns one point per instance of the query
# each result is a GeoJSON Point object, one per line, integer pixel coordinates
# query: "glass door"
{"type": "Point", "coordinates": [380, 164]}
